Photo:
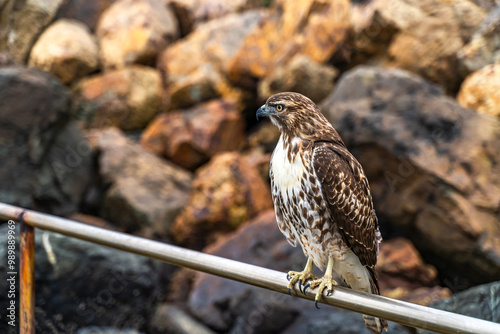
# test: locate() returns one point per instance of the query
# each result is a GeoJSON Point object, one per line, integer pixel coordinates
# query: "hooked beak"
{"type": "Point", "coordinates": [261, 112]}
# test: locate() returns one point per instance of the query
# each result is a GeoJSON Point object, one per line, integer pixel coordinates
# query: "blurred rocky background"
{"type": "Point", "coordinates": [139, 116]}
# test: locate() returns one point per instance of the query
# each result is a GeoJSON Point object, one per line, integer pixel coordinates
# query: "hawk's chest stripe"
{"type": "Point", "coordinates": [287, 174]}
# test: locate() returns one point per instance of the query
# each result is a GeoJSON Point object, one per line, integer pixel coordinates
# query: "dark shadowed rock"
{"type": "Point", "coordinates": [226, 193]}
{"type": "Point", "coordinates": [332, 320]}
{"type": "Point", "coordinates": [87, 12]}
{"type": "Point", "coordinates": [214, 300]}
{"type": "Point", "coordinates": [431, 165]}
{"type": "Point", "coordinates": [478, 302]}
{"type": "Point", "coordinates": [67, 50]}
{"type": "Point", "coordinates": [134, 32]}
{"type": "Point", "coordinates": [144, 192]}
{"type": "Point", "coordinates": [127, 98]}
{"type": "Point", "coordinates": [171, 319]}
{"type": "Point", "coordinates": [45, 160]}
{"type": "Point", "coordinates": [190, 137]}
{"type": "Point", "coordinates": [81, 284]}
{"type": "Point", "coordinates": [106, 330]}
{"type": "Point", "coordinates": [94, 221]}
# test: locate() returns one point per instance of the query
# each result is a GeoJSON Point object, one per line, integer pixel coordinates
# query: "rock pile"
{"type": "Point", "coordinates": [139, 116]}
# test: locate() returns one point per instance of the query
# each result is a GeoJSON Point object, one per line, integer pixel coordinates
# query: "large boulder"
{"type": "Point", "coordinates": [430, 34]}
{"type": "Point", "coordinates": [80, 284]}
{"type": "Point", "coordinates": [127, 98]}
{"type": "Point", "coordinates": [478, 302]}
{"type": "Point", "coordinates": [132, 31]}
{"type": "Point", "coordinates": [24, 22]}
{"type": "Point", "coordinates": [227, 192]}
{"type": "Point", "coordinates": [431, 164]}
{"type": "Point", "coordinates": [192, 13]}
{"type": "Point", "coordinates": [210, 49]}
{"type": "Point", "coordinates": [191, 137]}
{"type": "Point", "coordinates": [312, 28]}
{"type": "Point", "coordinates": [46, 162]}
{"type": "Point", "coordinates": [405, 276]}
{"type": "Point", "coordinates": [481, 91]}
{"type": "Point", "coordinates": [67, 50]}
{"type": "Point", "coordinates": [144, 192]}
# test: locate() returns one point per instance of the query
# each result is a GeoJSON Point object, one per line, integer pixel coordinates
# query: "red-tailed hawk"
{"type": "Point", "coordinates": [322, 200]}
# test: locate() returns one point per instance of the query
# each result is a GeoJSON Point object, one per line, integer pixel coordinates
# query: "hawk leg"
{"type": "Point", "coordinates": [326, 282]}
{"type": "Point", "coordinates": [301, 277]}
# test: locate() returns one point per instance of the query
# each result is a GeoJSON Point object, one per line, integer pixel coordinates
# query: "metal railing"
{"type": "Point", "coordinates": [408, 314]}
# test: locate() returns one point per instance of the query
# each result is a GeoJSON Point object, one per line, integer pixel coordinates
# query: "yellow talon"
{"type": "Point", "coordinates": [326, 282]}
{"type": "Point", "coordinates": [301, 277]}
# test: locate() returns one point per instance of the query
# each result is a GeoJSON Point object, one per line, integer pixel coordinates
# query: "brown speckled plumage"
{"type": "Point", "coordinates": [321, 194]}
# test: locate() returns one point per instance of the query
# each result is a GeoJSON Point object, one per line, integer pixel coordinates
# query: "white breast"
{"type": "Point", "coordinates": [287, 174]}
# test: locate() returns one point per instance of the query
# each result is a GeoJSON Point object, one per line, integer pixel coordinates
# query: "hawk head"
{"type": "Point", "coordinates": [296, 115]}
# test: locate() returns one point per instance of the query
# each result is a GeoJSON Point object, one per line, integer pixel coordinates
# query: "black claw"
{"type": "Point", "coordinates": [316, 304]}
{"type": "Point", "coordinates": [289, 291]}
{"type": "Point", "coordinates": [300, 285]}
{"type": "Point", "coordinates": [305, 288]}
{"type": "Point", "coordinates": [329, 293]}
{"type": "Point", "coordinates": [288, 277]}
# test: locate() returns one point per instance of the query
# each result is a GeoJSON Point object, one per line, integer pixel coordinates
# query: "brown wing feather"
{"type": "Point", "coordinates": [347, 193]}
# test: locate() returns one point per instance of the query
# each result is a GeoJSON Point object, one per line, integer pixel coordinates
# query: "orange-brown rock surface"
{"type": "Point", "coordinates": [134, 32]}
{"type": "Point", "coordinates": [226, 193]}
{"type": "Point", "coordinates": [431, 33]}
{"type": "Point", "coordinates": [481, 91]}
{"type": "Point", "coordinates": [403, 274]}
{"type": "Point", "coordinates": [308, 27]}
{"type": "Point", "coordinates": [209, 49]}
{"type": "Point", "coordinates": [67, 50]}
{"type": "Point", "coordinates": [190, 137]}
{"type": "Point", "coordinates": [127, 98]}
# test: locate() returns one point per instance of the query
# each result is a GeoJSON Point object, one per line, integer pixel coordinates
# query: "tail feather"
{"type": "Point", "coordinates": [375, 325]}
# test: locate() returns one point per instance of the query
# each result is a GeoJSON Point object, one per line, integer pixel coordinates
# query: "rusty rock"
{"type": "Point", "coordinates": [226, 192]}
{"type": "Point", "coordinates": [67, 50]}
{"type": "Point", "coordinates": [132, 32]}
{"type": "Point", "coordinates": [190, 137]}
{"type": "Point", "coordinates": [210, 49]}
{"type": "Point", "coordinates": [127, 98]}
{"type": "Point", "coordinates": [309, 27]}
{"type": "Point", "coordinates": [481, 91]}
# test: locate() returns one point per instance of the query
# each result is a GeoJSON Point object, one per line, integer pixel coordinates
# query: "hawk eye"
{"type": "Point", "coordinates": [279, 107]}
